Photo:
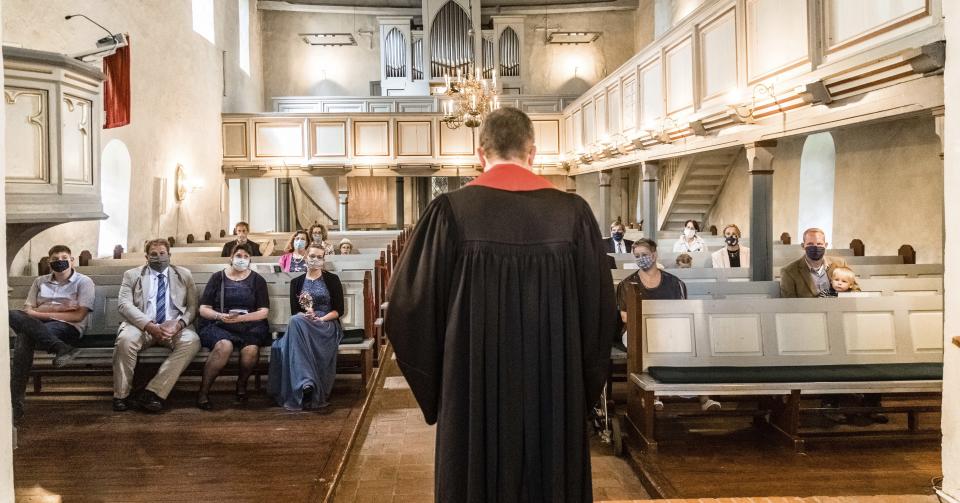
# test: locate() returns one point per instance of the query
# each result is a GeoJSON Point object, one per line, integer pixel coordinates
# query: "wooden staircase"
{"type": "Point", "coordinates": [690, 187]}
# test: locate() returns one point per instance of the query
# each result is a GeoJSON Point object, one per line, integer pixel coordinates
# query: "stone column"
{"type": "Point", "coordinates": [760, 168]}
{"type": "Point", "coordinates": [624, 209]}
{"type": "Point", "coordinates": [651, 198]}
{"type": "Point", "coordinates": [603, 213]}
{"type": "Point", "coordinates": [400, 202]}
{"type": "Point", "coordinates": [342, 196]}
{"type": "Point", "coordinates": [284, 208]}
{"type": "Point", "coordinates": [572, 184]}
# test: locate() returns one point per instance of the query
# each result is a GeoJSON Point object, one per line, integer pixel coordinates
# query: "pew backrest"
{"type": "Point", "coordinates": [775, 332]}
{"type": "Point", "coordinates": [340, 262]}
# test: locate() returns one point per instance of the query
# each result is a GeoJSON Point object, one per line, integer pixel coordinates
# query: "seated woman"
{"type": "Point", "coordinates": [303, 363]}
{"type": "Point", "coordinates": [318, 235]}
{"type": "Point", "coordinates": [292, 259]}
{"type": "Point", "coordinates": [233, 314]}
{"type": "Point", "coordinates": [345, 247]}
{"type": "Point", "coordinates": [689, 241]}
{"type": "Point", "coordinates": [733, 255]}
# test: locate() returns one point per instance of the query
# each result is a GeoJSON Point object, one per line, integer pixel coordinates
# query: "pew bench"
{"type": "Point", "coordinates": [781, 351]}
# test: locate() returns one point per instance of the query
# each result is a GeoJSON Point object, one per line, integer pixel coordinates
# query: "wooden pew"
{"type": "Point", "coordinates": [784, 349]}
{"type": "Point", "coordinates": [341, 262]}
{"type": "Point", "coordinates": [105, 319]}
{"type": "Point", "coordinates": [715, 290]}
{"type": "Point", "coordinates": [880, 271]}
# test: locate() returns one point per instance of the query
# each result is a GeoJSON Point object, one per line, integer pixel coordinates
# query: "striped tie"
{"type": "Point", "coordinates": [161, 299]}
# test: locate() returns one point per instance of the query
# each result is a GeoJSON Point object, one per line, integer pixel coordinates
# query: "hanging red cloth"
{"type": "Point", "coordinates": [116, 89]}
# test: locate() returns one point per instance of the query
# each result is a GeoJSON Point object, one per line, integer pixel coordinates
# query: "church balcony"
{"type": "Point", "coordinates": [282, 145]}
{"type": "Point", "coordinates": [407, 104]}
{"type": "Point", "coordinates": [53, 120]}
{"type": "Point", "coordinates": [736, 72]}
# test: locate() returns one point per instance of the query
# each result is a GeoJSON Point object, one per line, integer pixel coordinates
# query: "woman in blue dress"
{"type": "Point", "coordinates": [303, 363]}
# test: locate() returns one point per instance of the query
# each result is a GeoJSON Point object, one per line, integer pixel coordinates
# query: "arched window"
{"type": "Point", "coordinates": [509, 53]}
{"type": "Point", "coordinates": [451, 48]}
{"type": "Point", "coordinates": [395, 54]}
{"type": "Point", "coordinates": [115, 191]}
{"type": "Point", "coordinates": [817, 179]}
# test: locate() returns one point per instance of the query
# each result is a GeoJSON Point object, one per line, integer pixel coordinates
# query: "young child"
{"type": "Point", "coordinates": [843, 279]}
{"type": "Point", "coordinates": [684, 261]}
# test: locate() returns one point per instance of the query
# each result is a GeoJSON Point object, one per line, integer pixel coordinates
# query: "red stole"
{"type": "Point", "coordinates": [511, 177]}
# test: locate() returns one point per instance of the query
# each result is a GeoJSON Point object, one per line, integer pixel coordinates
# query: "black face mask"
{"type": "Point", "coordinates": [158, 263]}
{"type": "Point", "coordinates": [59, 265]}
{"type": "Point", "coordinates": [617, 236]}
{"type": "Point", "coordinates": [732, 240]}
{"type": "Point", "coordinates": [815, 253]}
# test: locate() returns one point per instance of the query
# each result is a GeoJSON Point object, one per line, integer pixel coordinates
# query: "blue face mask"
{"type": "Point", "coordinates": [617, 236]}
{"type": "Point", "coordinates": [645, 262]}
{"type": "Point", "coordinates": [299, 244]}
{"type": "Point", "coordinates": [815, 253]}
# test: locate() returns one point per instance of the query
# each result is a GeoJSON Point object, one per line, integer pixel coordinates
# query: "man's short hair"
{"type": "Point", "coordinates": [734, 227]}
{"type": "Point", "coordinates": [618, 224]}
{"type": "Point", "coordinates": [506, 133]}
{"type": "Point", "coordinates": [646, 243]}
{"type": "Point", "coordinates": [56, 249]}
{"type": "Point", "coordinates": [156, 242]}
{"type": "Point", "coordinates": [240, 224]}
{"type": "Point", "coordinates": [242, 246]}
{"type": "Point", "coordinates": [813, 230]}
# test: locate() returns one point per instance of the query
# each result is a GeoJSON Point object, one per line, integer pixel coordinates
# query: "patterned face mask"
{"type": "Point", "coordinates": [645, 262]}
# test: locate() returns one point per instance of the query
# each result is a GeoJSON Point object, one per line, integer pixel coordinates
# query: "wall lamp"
{"type": "Point", "coordinates": [185, 185]}
{"type": "Point", "coordinates": [744, 113]}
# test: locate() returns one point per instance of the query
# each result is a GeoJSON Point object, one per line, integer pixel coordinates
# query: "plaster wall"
{"type": "Point", "coordinates": [950, 416]}
{"type": "Point", "coordinates": [293, 68]}
{"type": "Point", "coordinates": [177, 98]}
{"type": "Point", "coordinates": [884, 172]}
{"type": "Point", "coordinates": [6, 421]}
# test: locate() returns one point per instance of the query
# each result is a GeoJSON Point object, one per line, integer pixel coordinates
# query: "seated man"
{"type": "Point", "coordinates": [653, 284]}
{"type": "Point", "coordinates": [807, 276]}
{"type": "Point", "coordinates": [615, 243]}
{"type": "Point", "coordinates": [158, 302]}
{"type": "Point", "coordinates": [52, 319]}
{"type": "Point", "coordinates": [241, 230]}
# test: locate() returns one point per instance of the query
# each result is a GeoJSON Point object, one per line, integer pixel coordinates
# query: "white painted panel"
{"type": "Point", "coordinates": [669, 334]}
{"type": "Point", "coordinates": [343, 108]}
{"type": "Point", "coordinates": [850, 19]}
{"type": "Point", "coordinates": [917, 293]}
{"type": "Point", "coordinates": [76, 161]}
{"type": "Point", "coordinates": [578, 130]}
{"type": "Point", "coordinates": [413, 138]}
{"type": "Point", "coordinates": [589, 124]}
{"type": "Point", "coordinates": [330, 139]}
{"type": "Point", "coordinates": [776, 35]}
{"type": "Point", "coordinates": [613, 110]}
{"type": "Point", "coordinates": [601, 111]}
{"type": "Point", "coordinates": [737, 334]}
{"type": "Point", "coordinates": [380, 108]}
{"type": "Point", "coordinates": [26, 135]}
{"type": "Point", "coordinates": [262, 201]}
{"type": "Point", "coordinates": [680, 77]}
{"type": "Point", "coordinates": [372, 138]}
{"type": "Point", "coordinates": [456, 141]}
{"type": "Point", "coordinates": [297, 107]}
{"type": "Point", "coordinates": [651, 95]}
{"type": "Point", "coordinates": [926, 331]}
{"type": "Point", "coordinates": [547, 136]}
{"type": "Point", "coordinates": [414, 107]}
{"type": "Point", "coordinates": [629, 103]}
{"type": "Point", "coordinates": [718, 49]}
{"type": "Point", "coordinates": [541, 108]}
{"type": "Point", "coordinates": [279, 140]}
{"type": "Point", "coordinates": [234, 139]}
{"type": "Point", "coordinates": [869, 332]}
{"type": "Point", "coordinates": [802, 333]}
{"type": "Point", "coordinates": [568, 133]}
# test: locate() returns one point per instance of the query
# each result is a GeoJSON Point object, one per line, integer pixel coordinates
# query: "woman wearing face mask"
{"type": "Point", "coordinates": [233, 315]}
{"type": "Point", "coordinates": [318, 235]}
{"type": "Point", "coordinates": [293, 258]}
{"type": "Point", "coordinates": [651, 283]}
{"type": "Point", "coordinates": [733, 255]}
{"type": "Point", "coordinates": [303, 363]}
{"type": "Point", "coordinates": [689, 241]}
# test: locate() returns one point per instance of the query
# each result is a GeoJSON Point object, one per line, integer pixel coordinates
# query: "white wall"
{"type": "Point", "coordinates": [115, 171]}
{"type": "Point", "coordinates": [6, 421]}
{"type": "Point", "coordinates": [177, 99]}
{"type": "Point", "coordinates": [262, 200]}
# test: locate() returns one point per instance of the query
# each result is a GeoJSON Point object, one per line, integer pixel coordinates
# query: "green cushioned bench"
{"type": "Point", "coordinates": [799, 373]}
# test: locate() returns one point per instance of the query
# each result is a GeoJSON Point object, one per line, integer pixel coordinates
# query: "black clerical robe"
{"type": "Point", "coordinates": [502, 314]}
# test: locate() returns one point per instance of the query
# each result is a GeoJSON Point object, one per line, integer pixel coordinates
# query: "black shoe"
{"type": "Point", "coordinates": [879, 418]}
{"type": "Point", "coordinates": [65, 357]}
{"type": "Point", "coordinates": [307, 397]}
{"type": "Point", "coordinates": [241, 396]}
{"type": "Point", "coordinates": [120, 405]}
{"type": "Point", "coordinates": [204, 403]}
{"type": "Point", "coordinates": [17, 411]}
{"type": "Point", "coordinates": [150, 402]}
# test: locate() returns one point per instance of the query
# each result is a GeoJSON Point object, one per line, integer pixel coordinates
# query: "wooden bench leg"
{"type": "Point", "coordinates": [256, 379]}
{"type": "Point", "coordinates": [36, 383]}
{"type": "Point", "coordinates": [366, 367]}
{"type": "Point", "coordinates": [649, 421]}
{"type": "Point", "coordinates": [913, 421]}
{"type": "Point", "coordinates": [785, 418]}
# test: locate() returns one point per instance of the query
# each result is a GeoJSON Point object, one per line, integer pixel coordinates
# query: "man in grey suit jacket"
{"type": "Point", "coordinates": [807, 276]}
{"type": "Point", "coordinates": [158, 302]}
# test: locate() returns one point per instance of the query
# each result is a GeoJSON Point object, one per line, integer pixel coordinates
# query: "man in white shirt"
{"type": "Point", "coordinates": [158, 302]}
{"type": "Point", "coordinates": [615, 243]}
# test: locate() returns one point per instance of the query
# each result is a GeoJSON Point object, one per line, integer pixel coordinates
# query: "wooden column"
{"type": "Point", "coordinates": [572, 184]}
{"type": "Point", "coordinates": [342, 197]}
{"type": "Point", "coordinates": [400, 202]}
{"type": "Point", "coordinates": [651, 198]}
{"type": "Point", "coordinates": [624, 209]}
{"type": "Point", "coordinates": [760, 168]}
{"type": "Point", "coordinates": [603, 213]}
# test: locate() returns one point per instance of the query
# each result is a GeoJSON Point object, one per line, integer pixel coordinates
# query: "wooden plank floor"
{"type": "Point", "coordinates": [727, 458]}
{"type": "Point", "coordinates": [75, 448]}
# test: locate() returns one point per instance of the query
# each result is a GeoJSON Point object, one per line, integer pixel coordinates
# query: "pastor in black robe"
{"type": "Point", "coordinates": [502, 314]}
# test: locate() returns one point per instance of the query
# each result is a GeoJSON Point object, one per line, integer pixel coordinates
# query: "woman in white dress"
{"type": "Point", "coordinates": [689, 241]}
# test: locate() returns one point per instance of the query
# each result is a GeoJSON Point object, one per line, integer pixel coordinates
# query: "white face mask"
{"type": "Point", "coordinates": [689, 233]}
{"type": "Point", "coordinates": [317, 238]}
{"type": "Point", "coordinates": [241, 264]}
{"type": "Point", "coordinates": [315, 263]}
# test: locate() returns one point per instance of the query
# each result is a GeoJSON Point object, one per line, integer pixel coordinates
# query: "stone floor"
{"type": "Point", "coordinates": [392, 459]}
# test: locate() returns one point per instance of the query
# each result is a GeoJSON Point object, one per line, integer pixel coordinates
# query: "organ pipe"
{"type": "Point", "coordinates": [395, 52]}
{"type": "Point", "coordinates": [509, 53]}
{"type": "Point", "coordinates": [450, 42]}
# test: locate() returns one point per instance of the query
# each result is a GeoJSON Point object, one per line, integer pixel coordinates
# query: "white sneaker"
{"type": "Point", "coordinates": [709, 404]}
{"type": "Point", "coordinates": [657, 404]}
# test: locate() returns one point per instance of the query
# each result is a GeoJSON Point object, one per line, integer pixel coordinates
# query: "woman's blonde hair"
{"type": "Point", "coordinates": [842, 271]}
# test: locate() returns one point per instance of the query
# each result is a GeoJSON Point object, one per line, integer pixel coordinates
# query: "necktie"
{"type": "Point", "coordinates": [161, 315]}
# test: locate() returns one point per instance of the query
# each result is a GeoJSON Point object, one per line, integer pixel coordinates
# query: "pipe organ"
{"type": "Point", "coordinates": [395, 54]}
{"type": "Point", "coordinates": [509, 53]}
{"type": "Point", "coordinates": [451, 44]}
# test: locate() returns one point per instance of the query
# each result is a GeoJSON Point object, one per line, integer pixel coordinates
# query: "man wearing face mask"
{"type": "Point", "coordinates": [807, 276]}
{"type": "Point", "coordinates": [241, 230]}
{"type": "Point", "coordinates": [615, 243]}
{"type": "Point", "coordinates": [158, 302]}
{"type": "Point", "coordinates": [52, 319]}
{"type": "Point", "coordinates": [734, 255]}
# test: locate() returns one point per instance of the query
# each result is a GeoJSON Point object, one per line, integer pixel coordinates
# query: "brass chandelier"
{"type": "Point", "coordinates": [471, 99]}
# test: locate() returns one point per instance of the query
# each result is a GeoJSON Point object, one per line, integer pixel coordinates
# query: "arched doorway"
{"type": "Point", "coordinates": [115, 191]}
{"type": "Point", "coordinates": [818, 167]}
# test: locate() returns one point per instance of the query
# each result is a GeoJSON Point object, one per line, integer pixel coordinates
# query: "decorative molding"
{"type": "Point", "coordinates": [314, 144]}
{"type": "Point", "coordinates": [399, 138]}
{"type": "Point", "coordinates": [361, 150]}
{"type": "Point", "coordinates": [86, 147]}
{"type": "Point", "coordinates": [39, 120]}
